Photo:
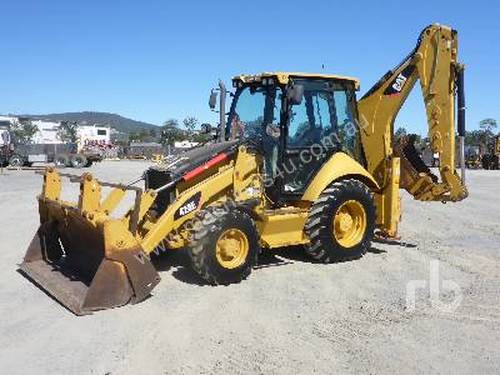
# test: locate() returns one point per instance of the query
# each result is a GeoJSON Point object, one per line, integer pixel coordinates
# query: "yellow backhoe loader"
{"type": "Point", "coordinates": [298, 161]}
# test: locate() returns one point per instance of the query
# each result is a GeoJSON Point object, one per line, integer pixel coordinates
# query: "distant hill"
{"type": "Point", "coordinates": [118, 122]}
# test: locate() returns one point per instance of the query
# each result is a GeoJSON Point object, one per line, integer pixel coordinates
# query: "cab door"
{"type": "Point", "coordinates": [321, 125]}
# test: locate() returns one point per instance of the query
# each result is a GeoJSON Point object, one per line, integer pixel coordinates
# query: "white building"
{"type": "Point", "coordinates": [5, 124]}
{"type": "Point", "coordinates": [47, 132]}
{"type": "Point", "coordinates": [8, 119]}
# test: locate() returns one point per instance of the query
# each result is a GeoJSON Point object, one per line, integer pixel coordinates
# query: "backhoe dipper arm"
{"type": "Point", "coordinates": [434, 63]}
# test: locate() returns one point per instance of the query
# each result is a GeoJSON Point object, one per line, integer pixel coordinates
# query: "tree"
{"type": "Point", "coordinates": [488, 125]}
{"type": "Point", "coordinates": [171, 123]}
{"type": "Point", "coordinates": [474, 137]}
{"type": "Point", "coordinates": [400, 134]}
{"type": "Point", "coordinates": [419, 142]}
{"type": "Point", "coordinates": [170, 132]}
{"type": "Point", "coordinates": [133, 137]}
{"type": "Point", "coordinates": [190, 123]}
{"type": "Point", "coordinates": [202, 138]}
{"type": "Point", "coordinates": [68, 132]}
{"type": "Point", "coordinates": [24, 130]}
{"type": "Point", "coordinates": [482, 138]}
{"type": "Point", "coordinates": [144, 135]}
{"type": "Point", "coordinates": [171, 135]}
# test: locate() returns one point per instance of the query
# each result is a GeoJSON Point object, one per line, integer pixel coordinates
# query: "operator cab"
{"type": "Point", "coordinates": [297, 121]}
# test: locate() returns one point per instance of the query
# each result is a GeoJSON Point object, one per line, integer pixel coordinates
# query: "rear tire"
{"type": "Point", "coordinates": [224, 246]}
{"type": "Point", "coordinates": [61, 161]}
{"type": "Point", "coordinates": [341, 222]}
{"type": "Point", "coordinates": [78, 161]}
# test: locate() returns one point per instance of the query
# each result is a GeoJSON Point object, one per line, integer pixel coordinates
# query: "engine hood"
{"type": "Point", "coordinates": [195, 157]}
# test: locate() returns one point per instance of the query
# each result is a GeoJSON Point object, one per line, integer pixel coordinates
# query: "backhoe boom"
{"type": "Point", "coordinates": [434, 63]}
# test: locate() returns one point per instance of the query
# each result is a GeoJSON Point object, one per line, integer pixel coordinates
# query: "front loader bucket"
{"type": "Point", "coordinates": [86, 260]}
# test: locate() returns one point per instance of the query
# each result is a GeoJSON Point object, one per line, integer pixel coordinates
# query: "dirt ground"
{"type": "Point", "coordinates": [291, 316]}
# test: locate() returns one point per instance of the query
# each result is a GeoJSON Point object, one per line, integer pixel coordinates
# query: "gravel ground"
{"type": "Point", "coordinates": [290, 316]}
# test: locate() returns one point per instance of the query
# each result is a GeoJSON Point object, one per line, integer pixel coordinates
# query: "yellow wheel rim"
{"type": "Point", "coordinates": [349, 224]}
{"type": "Point", "coordinates": [232, 248]}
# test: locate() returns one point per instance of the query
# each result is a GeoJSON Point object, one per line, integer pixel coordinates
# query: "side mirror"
{"type": "Point", "coordinates": [205, 128]}
{"type": "Point", "coordinates": [212, 101]}
{"type": "Point", "coordinates": [295, 94]}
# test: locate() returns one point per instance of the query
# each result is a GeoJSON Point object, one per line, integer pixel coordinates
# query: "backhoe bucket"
{"type": "Point", "coordinates": [83, 258]}
{"type": "Point", "coordinates": [419, 181]}
{"type": "Point", "coordinates": [412, 166]}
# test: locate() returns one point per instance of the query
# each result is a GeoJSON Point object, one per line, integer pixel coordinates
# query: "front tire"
{"type": "Point", "coordinates": [61, 161]}
{"type": "Point", "coordinates": [224, 246]}
{"type": "Point", "coordinates": [341, 222]}
{"type": "Point", "coordinates": [16, 161]}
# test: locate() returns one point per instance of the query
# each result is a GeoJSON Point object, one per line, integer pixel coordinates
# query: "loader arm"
{"type": "Point", "coordinates": [89, 259]}
{"type": "Point", "coordinates": [434, 63]}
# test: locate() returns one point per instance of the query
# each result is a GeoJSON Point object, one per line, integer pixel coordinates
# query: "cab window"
{"type": "Point", "coordinates": [324, 117]}
{"type": "Point", "coordinates": [255, 117]}
{"type": "Point", "coordinates": [255, 108]}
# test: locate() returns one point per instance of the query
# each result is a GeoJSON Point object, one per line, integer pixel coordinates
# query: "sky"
{"type": "Point", "coordinates": [155, 60]}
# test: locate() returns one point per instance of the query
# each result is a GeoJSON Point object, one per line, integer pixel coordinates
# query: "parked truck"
{"type": "Point", "coordinates": [62, 155]}
{"type": "Point", "coordinates": [5, 144]}
{"type": "Point", "coordinates": [45, 147]}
